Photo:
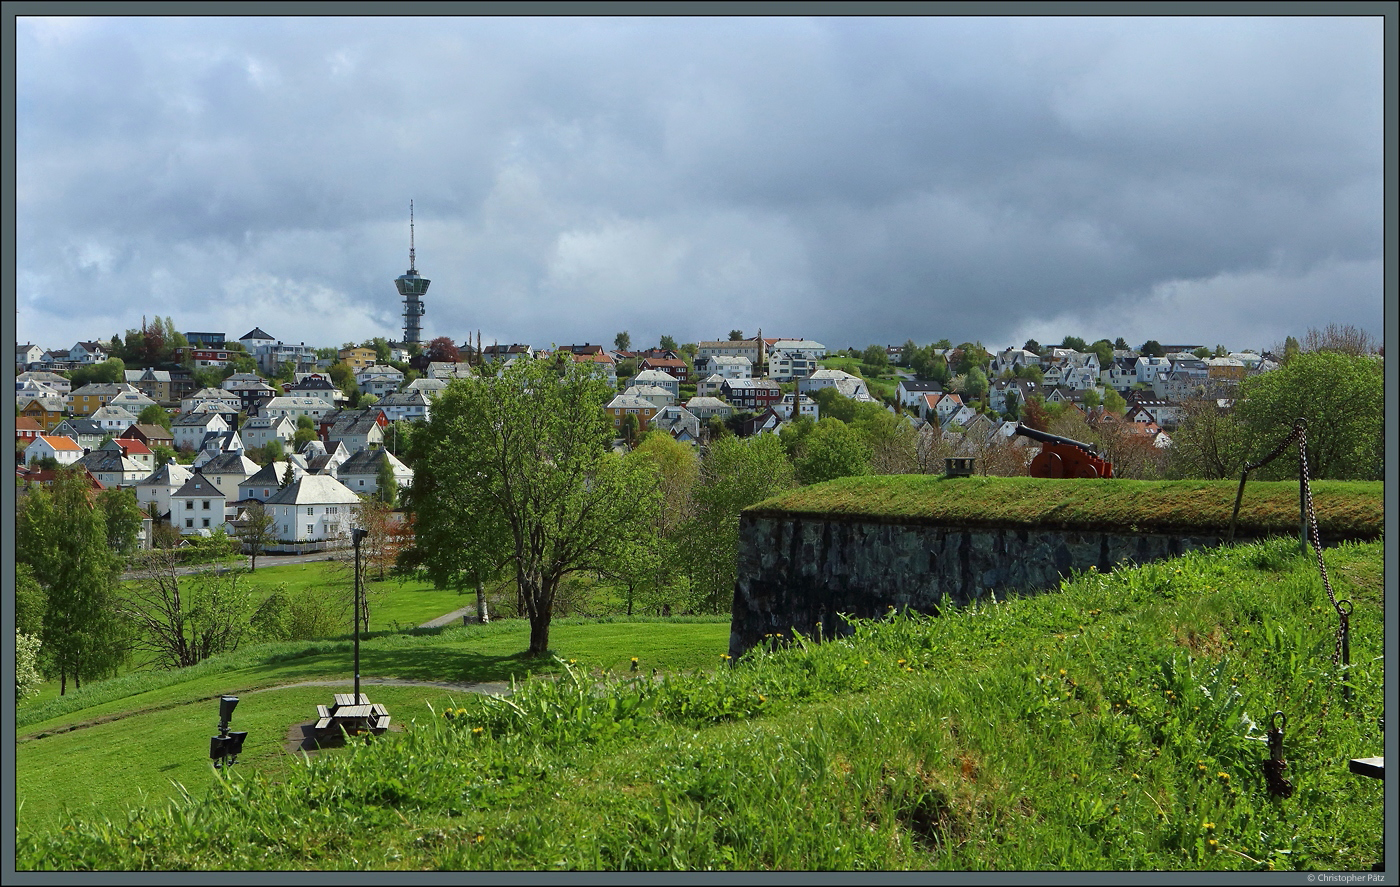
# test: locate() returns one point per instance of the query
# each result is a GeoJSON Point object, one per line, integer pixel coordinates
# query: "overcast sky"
{"type": "Point", "coordinates": [1190, 180]}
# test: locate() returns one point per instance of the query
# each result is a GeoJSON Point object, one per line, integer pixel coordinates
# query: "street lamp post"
{"type": "Point", "coordinates": [225, 748]}
{"type": "Point", "coordinates": [356, 535]}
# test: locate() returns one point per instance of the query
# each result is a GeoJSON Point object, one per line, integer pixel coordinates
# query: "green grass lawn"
{"type": "Point", "coordinates": [1116, 724]}
{"type": "Point", "coordinates": [138, 719]}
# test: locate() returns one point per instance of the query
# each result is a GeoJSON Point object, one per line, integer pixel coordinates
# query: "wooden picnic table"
{"type": "Point", "coordinates": [349, 699]}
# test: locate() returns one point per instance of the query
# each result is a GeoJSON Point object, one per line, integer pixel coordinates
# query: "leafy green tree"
{"type": "Point", "coordinates": [1092, 398]}
{"type": "Point", "coordinates": [515, 472]}
{"type": "Point", "coordinates": [623, 341]}
{"type": "Point", "coordinates": [164, 455]}
{"type": "Point", "coordinates": [977, 384]}
{"type": "Point", "coordinates": [1121, 344]}
{"type": "Point", "coordinates": [288, 477]}
{"type": "Point", "coordinates": [832, 404]}
{"type": "Point", "coordinates": [1341, 396]}
{"type": "Point", "coordinates": [343, 377]}
{"type": "Point", "coordinates": [942, 344]}
{"type": "Point", "coordinates": [668, 344]}
{"type": "Point", "coordinates": [652, 583]}
{"type": "Point", "coordinates": [387, 486]}
{"type": "Point", "coordinates": [1291, 349]}
{"type": "Point", "coordinates": [736, 335]}
{"type": "Point", "coordinates": [735, 473]}
{"type": "Point", "coordinates": [303, 437]}
{"type": "Point", "coordinates": [630, 429]}
{"type": "Point", "coordinates": [111, 370]}
{"type": "Point", "coordinates": [1209, 442]}
{"type": "Point", "coordinates": [154, 414]}
{"type": "Point", "coordinates": [123, 517]}
{"type": "Point", "coordinates": [875, 358]}
{"type": "Point", "coordinates": [892, 440]}
{"type": "Point", "coordinates": [31, 601]}
{"type": "Point", "coordinates": [1114, 402]}
{"type": "Point", "coordinates": [1104, 349]}
{"type": "Point", "coordinates": [1202, 352]}
{"type": "Point", "coordinates": [1152, 348]}
{"type": "Point", "coordinates": [62, 536]}
{"type": "Point", "coordinates": [1013, 404]}
{"type": "Point", "coordinates": [1074, 343]}
{"type": "Point", "coordinates": [1032, 346]}
{"type": "Point", "coordinates": [833, 449]}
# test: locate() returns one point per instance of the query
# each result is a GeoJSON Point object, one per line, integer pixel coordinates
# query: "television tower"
{"type": "Point", "coordinates": [411, 286]}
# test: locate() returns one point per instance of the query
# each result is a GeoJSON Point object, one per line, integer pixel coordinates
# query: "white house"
{"type": "Point", "coordinates": [226, 471]}
{"type": "Point", "coordinates": [313, 508]}
{"type": "Point", "coordinates": [360, 473]}
{"type": "Point", "coordinates": [229, 401]}
{"type": "Point", "coordinates": [705, 407]}
{"type": "Point", "coordinates": [63, 450]}
{"type": "Point", "coordinates": [266, 481]}
{"type": "Point", "coordinates": [807, 407]}
{"type": "Point", "coordinates": [260, 431]}
{"type": "Point", "coordinates": [850, 386]}
{"type": "Point", "coordinates": [189, 429]}
{"type": "Point", "coordinates": [910, 392]}
{"type": "Point", "coordinates": [114, 420]}
{"type": "Point", "coordinates": [660, 397]}
{"type": "Point", "coordinates": [805, 347]}
{"type": "Point", "coordinates": [28, 355]}
{"type": "Point", "coordinates": [379, 380]}
{"type": "Point", "coordinates": [411, 404]}
{"type": "Point", "coordinates": [294, 407]}
{"type": "Point", "coordinates": [112, 468]}
{"type": "Point", "coordinates": [660, 379]}
{"type": "Point", "coordinates": [725, 365]}
{"type": "Point", "coordinates": [679, 422]}
{"type": "Point", "coordinates": [1150, 368]}
{"type": "Point", "coordinates": [710, 386]}
{"type": "Point", "coordinates": [154, 491]}
{"type": "Point", "coordinates": [197, 505]}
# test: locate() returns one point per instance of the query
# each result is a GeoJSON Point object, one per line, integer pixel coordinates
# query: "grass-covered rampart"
{"type": "Point", "coordinates": [1116, 725]}
{"type": "Point", "coordinates": [1345, 509]}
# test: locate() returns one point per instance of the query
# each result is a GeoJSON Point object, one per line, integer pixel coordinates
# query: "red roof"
{"type": "Point", "coordinates": [132, 445]}
{"type": "Point", "coordinates": [24, 423]}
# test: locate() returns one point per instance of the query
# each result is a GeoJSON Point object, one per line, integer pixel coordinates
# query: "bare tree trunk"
{"type": "Point", "coordinates": [481, 615]}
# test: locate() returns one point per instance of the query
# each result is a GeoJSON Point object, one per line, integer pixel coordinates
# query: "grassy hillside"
{"type": "Point", "coordinates": [1345, 509]}
{"type": "Point", "coordinates": [1115, 725]}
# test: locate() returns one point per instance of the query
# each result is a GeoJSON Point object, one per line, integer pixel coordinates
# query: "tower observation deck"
{"type": "Point", "coordinates": [411, 286]}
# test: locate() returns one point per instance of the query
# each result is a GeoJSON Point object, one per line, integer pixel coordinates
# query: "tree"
{"type": "Point", "coordinates": [1074, 343]}
{"type": "Point", "coordinates": [164, 455]}
{"type": "Point", "coordinates": [1202, 352]}
{"type": "Point", "coordinates": [123, 518]}
{"type": "Point", "coordinates": [1092, 398]}
{"type": "Point", "coordinates": [735, 473]}
{"type": "Point", "coordinates": [387, 486]}
{"type": "Point", "coordinates": [833, 449]}
{"type": "Point", "coordinates": [1208, 443]}
{"type": "Point", "coordinates": [257, 531]}
{"type": "Point", "coordinates": [109, 371]}
{"type": "Point", "coordinates": [1344, 339]}
{"type": "Point", "coordinates": [27, 677]}
{"type": "Point", "coordinates": [977, 384]}
{"type": "Point", "coordinates": [1114, 403]}
{"type": "Point", "coordinates": [676, 470]}
{"type": "Point", "coordinates": [62, 537]}
{"type": "Point", "coordinates": [443, 350]}
{"type": "Point", "coordinates": [1151, 348]}
{"type": "Point", "coordinates": [875, 358]}
{"type": "Point", "coordinates": [1121, 344]}
{"type": "Point", "coordinates": [187, 617]}
{"type": "Point", "coordinates": [288, 477]}
{"type": "Point", "coordinates": [630, 429]}
{"type": "Point", "coordinates": [736, 335]}
{"type": "Point", "coordinates": [892, 440]}
{"type": "Point", "coordinates": [1104, 349]}
{"type": "Point", "coordinates": [1341, 396]}
{"type": "Point", "coordinates": [1032, 346]}
{"type": "Point", "coordinates": [154, 414]}
{"type": "Point", "coordinates": [515, 472]}
{"type": "Point", "coordinates": [623, 341]}
{"type": "Point", "coordinates": [668, 344]}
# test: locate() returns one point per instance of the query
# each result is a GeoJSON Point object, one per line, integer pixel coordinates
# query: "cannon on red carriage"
{"type": "Point", "coordinates": [1062, 457]}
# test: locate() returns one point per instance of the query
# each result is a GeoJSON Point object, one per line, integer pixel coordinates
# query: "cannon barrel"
{"type": "Point", "coordinates": [1046, 437]}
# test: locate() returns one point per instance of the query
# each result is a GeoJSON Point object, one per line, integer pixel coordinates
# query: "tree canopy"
{"type": "Point", "coordinates": [514, 473]}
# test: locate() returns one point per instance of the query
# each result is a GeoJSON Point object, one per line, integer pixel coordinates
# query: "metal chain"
{"type": "Point", "coordinates": [1343, 616]}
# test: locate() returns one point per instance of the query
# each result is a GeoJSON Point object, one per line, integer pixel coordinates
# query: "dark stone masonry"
{"type": "Point", "coordinates": [795, 572]}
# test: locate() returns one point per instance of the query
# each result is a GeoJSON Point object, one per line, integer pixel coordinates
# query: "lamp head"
{"type": "Point", "coordinates": [226, 706]}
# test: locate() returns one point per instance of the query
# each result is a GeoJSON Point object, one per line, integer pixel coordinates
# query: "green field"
{"type": "Point", "coordinates": [1116, 724]}
{"type": "Point", "coordinates": [1345, 509]}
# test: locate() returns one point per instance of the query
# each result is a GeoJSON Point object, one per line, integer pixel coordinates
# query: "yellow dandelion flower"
{"type": "Point", "coordinates": [1208, 826]}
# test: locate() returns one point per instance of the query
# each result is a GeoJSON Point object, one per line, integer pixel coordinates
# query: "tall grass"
{"type": "Point", "coordinates": [1116, 725]}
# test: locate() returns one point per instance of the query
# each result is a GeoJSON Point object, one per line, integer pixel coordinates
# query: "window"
{"type": "Point", "coordinates": [310, 529]}
{"type": "Point", "coordinates": [206, 522]}
{"type": "Point", "coordinates": [310, 511]}
{"type": "Point", "coordinates": [362, 482]}
{"type": "Point", "coordinates": [189, 505]}
{"type": "Point", "coordinates": [206, 504]}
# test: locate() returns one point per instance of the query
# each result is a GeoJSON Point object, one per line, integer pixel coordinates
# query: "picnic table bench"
{"type": "Point", "coordinates": [351, 713]}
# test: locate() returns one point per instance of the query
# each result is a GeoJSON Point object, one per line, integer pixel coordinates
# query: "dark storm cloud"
{"type": "Point", "coordinates": [851, 180]}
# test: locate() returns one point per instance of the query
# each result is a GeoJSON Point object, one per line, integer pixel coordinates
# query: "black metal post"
{"type": "Point", "coordinates": [356, 535]}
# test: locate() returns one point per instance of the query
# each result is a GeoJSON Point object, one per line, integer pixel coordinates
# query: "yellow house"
{"type": "Point", "coordinates": [629, 404]}
{"type": "Point", "coordinates": [92, 397]}
{"type": "Point", "coordinates": [47, 411]}
{"type": "Point", "coordinates": [358, 358]}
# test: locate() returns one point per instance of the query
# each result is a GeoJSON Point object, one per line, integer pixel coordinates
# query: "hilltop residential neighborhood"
{"type": "Point", "coordinates": [221, 409]}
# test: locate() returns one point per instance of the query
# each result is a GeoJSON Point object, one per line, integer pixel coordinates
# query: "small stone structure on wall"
{"type": "Point", "coordinates": [796, 572]}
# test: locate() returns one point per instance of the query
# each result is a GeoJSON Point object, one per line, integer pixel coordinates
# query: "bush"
{"type": "Point", "coordinates": [27, 677]}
